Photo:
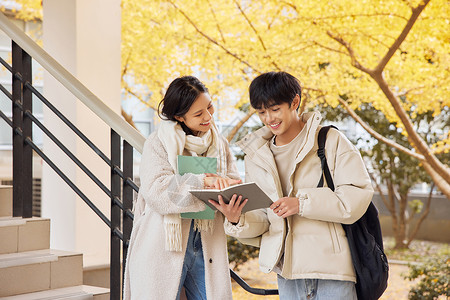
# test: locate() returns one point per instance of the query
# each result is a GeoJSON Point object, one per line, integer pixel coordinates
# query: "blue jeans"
{"type": "Point", "coordinates": [193, 274]}
{"type": "Point", "coordinates": [316, 289]}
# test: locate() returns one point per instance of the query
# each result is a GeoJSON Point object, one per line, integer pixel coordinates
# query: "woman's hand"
{"type": "Point", "coordinates": [285, 207]}
{"type": "Point", "coordinates": [232, 211]}
{"type": "Point", "coordinates": [214, 181]}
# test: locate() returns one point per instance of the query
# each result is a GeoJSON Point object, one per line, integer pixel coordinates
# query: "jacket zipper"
{"type": "Point", "coordinates": [277, 182]}
{"type": "Point", "coordinates": [334, 237]}
{"type": "Point", "coordinates": [274, 172]}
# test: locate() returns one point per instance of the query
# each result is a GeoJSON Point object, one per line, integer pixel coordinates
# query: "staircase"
{"type": "Point", "coordinates": [29, 269]}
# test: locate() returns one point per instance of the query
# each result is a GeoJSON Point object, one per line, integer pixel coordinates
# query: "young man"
{"type": "Point", "coordinates": [300, 236]}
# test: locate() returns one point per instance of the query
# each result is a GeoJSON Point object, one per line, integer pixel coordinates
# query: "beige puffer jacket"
{"type": "Point", "coordinates": [313, 242]}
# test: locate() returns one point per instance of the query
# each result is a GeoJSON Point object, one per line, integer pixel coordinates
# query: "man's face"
{"type": "Point", "coordinates": [278, 118]}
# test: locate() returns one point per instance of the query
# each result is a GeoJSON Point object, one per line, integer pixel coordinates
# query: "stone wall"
{"type": "Point", "coordinates": [436, 226]}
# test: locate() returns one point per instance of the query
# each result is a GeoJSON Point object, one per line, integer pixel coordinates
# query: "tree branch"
{"type": "Point", "coordinates": [128, 118]}
{"type": "Point", "coordinates": [360, 15]}
{"type": "Point", "coordinates": [370, 37]}
{"type": "Point", "coordinates": [404, 93]}
{"type": "Point", "coordinates": [238, 126]}
{"type": "Point", "coordinates": [131, 92]}
{"type": "Point", "coordinates": [330, 49]}
{"type": "Point", "coordinates": [412, 20]}
{"type": "Point", "coordinates": [125, 67]}
{"type": "Point", "coordinates": [217, 23]}
{"type": "Point", "coordinates": [350, 51]}
{"type": "Point", "coordinates": [303, 103]}
{"type": "Point", "coordinates": [212, 40]}
{"type": "Point", "coordinates": [251, 25]}
{"type": "Point", "coordinates": [443, 186]}
{"type": "Point", "coordinates": [389, 14]}
{"type": "Point", "coordinates": [378, 136]}
{"type": "Point", "coordinates": [256, 32]}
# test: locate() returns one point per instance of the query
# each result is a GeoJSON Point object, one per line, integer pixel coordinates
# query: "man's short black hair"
{"type": "Point", "coordinates": [273, 88]}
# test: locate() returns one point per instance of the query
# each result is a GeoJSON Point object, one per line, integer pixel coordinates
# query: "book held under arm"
{"type": "Point", "coordinates": [197, 165]}
{"type": "Point", "coordinates": [251, 191]}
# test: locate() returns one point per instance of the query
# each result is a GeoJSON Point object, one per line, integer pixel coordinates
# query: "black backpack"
{"type": "Point", "coordinates": [364, 238]}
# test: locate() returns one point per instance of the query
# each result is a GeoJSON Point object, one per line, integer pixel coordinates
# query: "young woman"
{"type": "Point", "coordinates": [166, 252]}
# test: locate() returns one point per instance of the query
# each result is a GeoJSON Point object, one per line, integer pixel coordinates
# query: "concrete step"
{"type": "Point", "coordinates": [24, 234]}
{"type": "Point", "coordinates": [34, 271]}
{"type": "Point", "coordinates": [79, 292]}
{"type": "Point", "coordinates": [97, 275]}
{"type": "Point", "coordinates": [6, 201]}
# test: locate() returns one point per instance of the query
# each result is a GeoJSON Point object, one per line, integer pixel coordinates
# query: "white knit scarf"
{"type": "Point", "coordinates": [175, 140]}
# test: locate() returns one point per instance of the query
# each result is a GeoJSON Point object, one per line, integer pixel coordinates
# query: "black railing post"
{"type": "Point", "coordinates": [127, 198]}
{"type": "Point", "coordinates": [27, 174]}
{"type": "Point", "coordinates": [115, 273]}
{"type": "Point", "coordinates": [18, 184]}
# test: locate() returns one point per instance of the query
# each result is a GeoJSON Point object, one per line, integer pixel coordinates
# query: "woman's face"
{"type": "Point", "coordinates": [199, 117]}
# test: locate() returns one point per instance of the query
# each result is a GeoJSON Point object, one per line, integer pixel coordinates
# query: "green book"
{"type": "Point", "coordinates": [197, 165]}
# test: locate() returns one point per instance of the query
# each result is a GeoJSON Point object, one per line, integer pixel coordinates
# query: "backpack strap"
{"type": "Point", "coordinates": [321, 153]}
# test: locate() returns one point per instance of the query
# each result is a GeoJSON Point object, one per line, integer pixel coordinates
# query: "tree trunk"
{"type": "Point", "coordinates": [240, 124]}
{"type": "Point", "coordinates": [400, 235]}
{"type": "Point", "coordinates": [393, 210]}
{"type": "Point", "coordinates": [415, 138]}
{"type": "Point", "coordinates": [422, 217]}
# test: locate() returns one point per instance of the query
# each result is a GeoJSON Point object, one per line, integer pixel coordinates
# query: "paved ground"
{"type": "Point", "coordinates": [397, 287]}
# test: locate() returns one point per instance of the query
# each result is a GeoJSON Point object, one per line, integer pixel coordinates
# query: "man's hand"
{"type": "Point", "coordinates": [285, 207]}
{"type": "Point", "coordinates": [232, 211]}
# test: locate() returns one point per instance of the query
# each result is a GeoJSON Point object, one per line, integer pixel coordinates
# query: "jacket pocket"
{"type": "Point", "coordinates": [334, 237]}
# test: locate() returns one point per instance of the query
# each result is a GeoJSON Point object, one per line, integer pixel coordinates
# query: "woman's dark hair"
{"type": "Point", "coordinates": [273, 88]}
{"type": "Point", "coordinates": [180, 95]}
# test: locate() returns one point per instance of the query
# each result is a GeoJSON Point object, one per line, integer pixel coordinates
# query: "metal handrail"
{"type": "Point", "coordinates": [66, 121]}
{"type": "Point", "coordinates": [72, 157]}
{"type": "Point", "coordinates": [94, 208]}
{"type": "Point", "coordinates": [5, 64]}
{"type": "Point", "coordinates": [69, 154]}
{"type": "Point", "coordinates": [7, 120]}
{"type": "Point", "coordinates": [69, 124]}
{"type": "Point", "coordinates": [255, 291]}
{"type": "Point", "coordinates": [55, 111]}
{"type": "Point", "coordinates": [53, 137]}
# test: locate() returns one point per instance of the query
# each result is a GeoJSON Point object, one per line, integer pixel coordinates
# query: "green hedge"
{"type": "Point", "coordinates": [434, 277]}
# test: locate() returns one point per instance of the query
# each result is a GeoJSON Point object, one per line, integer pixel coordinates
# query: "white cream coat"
{"type": "Point", "coordinates": [314, 242]}
{"type": "Point", "coordinates": [152, 272]}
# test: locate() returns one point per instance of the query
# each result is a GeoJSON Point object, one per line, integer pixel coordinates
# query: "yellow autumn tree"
{"type": "Point", "coordinates": [27, 10]}
{"type": "Point", "coordinates": [392, 54]}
